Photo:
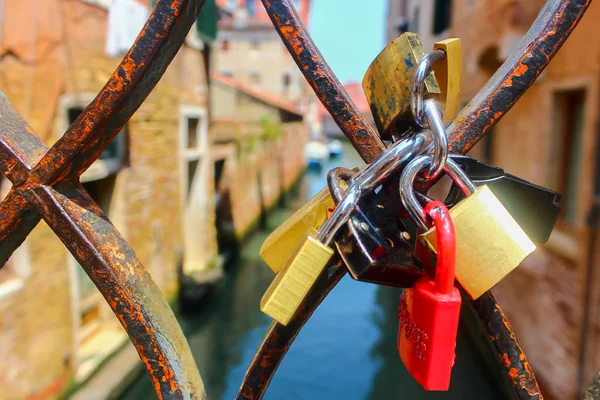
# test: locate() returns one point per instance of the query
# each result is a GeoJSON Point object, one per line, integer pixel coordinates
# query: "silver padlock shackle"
{"type": "Point", "coordinates": [395, 157]}
{"type": "Point", "coordinates": [427, 115]}
{"type": "Point", "coordinates": [407, 179]}
{"type": "Point", "coordinates": [333, 182]}
{"type": "Point", "coordinates": [423, 69]}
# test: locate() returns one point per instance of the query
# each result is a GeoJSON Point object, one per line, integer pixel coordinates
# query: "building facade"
{"type": "Point", "coordinates": [550, 137]}
{"type": "Point", "coordinates": [161, 182]}
{"type": "Point", "coordinates": [250, 50]}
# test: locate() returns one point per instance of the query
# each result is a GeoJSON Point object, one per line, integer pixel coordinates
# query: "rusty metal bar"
{"type": "Point", "coordinates": [130, 84]}
{"type": "Point", "coordinates": [129, 290]}
{"type": "Point", "coordinates": [553, 25]}
{"type": "Point", "coordinates": [45, 185]}
{"type": "Point", "coordinates": [321, 78]}
{"type": "Point", "coordinates": [513, 362]}
{"type": "Point", "coordinates": [279, 338]}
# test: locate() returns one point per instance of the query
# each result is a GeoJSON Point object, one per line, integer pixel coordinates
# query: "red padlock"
{"type": "Point", "coordinates": [430, 310]}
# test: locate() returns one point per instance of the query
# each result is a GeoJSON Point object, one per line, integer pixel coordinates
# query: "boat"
{"type": "Point", "coordinates": [316, 153]}
{"type": "Point", "coordinates": [335, 148]}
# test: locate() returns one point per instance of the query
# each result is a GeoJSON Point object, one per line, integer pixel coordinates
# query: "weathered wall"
{"type": "Point", "coordinates": [258, 57]}
{"type": "Point", "coordinates": [545, 297]}
{"type": "Point", "coordinates": [260, 169]}
{"type": "Point", "coordinates": [38, 330]}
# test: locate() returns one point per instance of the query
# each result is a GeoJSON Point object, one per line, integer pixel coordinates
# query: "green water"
{"type": "Point", "coordinates": [347, 350]}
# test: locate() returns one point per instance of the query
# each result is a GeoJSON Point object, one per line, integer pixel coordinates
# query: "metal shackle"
{"type": "Point", "coordinates": [333, 182]}
{"type": "Point", "coordinates": [423, 69]}
{"type": "Point", "coordinates": [427, 115]}
{"type": "Point", "coordinates": [407, 193]}
{"type": "Point", "coordinates": [395, 157]}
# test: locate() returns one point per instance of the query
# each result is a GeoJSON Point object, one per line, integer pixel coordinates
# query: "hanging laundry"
{"type": "Point", "coordinates": [126, 19]}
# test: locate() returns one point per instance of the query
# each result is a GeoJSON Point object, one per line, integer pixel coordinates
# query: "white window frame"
{"type": "Point", "coordinates": [192, 231]}
{"type": "Point", "coordinates": [20, 261]}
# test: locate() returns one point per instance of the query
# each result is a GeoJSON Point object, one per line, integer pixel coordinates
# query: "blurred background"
{"type": "Point", "coordinates": [229, 144]}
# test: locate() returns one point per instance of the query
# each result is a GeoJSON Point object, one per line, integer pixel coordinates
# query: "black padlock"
{"type": "Point", "coordinates": [374, 245]}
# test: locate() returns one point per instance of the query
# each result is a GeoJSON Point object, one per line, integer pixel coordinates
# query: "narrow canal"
{"type": "Point", "coordinates": [346, 351]}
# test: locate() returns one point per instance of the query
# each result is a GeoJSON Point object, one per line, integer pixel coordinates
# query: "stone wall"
{"type": "Point", "coordinates": [39, 320]}
{"type": "Point", "coordinates": [545, 298]}
{"type": "Point", "coordinates": [258, 170]}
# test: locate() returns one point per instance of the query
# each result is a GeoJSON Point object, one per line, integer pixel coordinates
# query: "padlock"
{"type": "Point", "coordinates": [278, 246]}
{"type": "Point", "coordinates": [448, 73]}
{"type": "Point", "coordinates": [291, 285]}
{"type": "Point", "coordinates": [301, 270]}
{"type": "Point", "coordinates": [490, 243]}
{"type": "Point", "coordinates": [535, 208]}
{"type": "Point", "coordinates": [429, 312]}
{"type": "Point", "coordinates": [281, 243]}
{"type": "Point", "coordinates": [374, 244]}
{"type": "Point", "coordinates": [285, 295]}
{"type": "Point", "coordinates": [388, 84]}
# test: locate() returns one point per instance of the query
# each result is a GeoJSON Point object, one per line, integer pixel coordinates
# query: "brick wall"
{"type": "Point", "coordinates": [37, 323]}
{"type": "Point", "coordinates": [545, 298]}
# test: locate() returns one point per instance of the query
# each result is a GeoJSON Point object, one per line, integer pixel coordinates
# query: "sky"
{"type": "Point", "coordinates": [349, 33]}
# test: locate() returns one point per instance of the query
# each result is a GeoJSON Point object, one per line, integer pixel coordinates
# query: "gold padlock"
{"type": "Point", "coordinates": [280, 244]}
{"type": "Point", "coordinates": [308, 261]}
{"type": "Point", "coordinates": [448, 73]}
{"type": "Point", "coordinates": [388, 83]}
{"type": "Point", "coordinates": [291, 285]}
{"type": "Point", "coordinates": [392, 114]}
{"type": "Point", "coordinates": [489, 242]}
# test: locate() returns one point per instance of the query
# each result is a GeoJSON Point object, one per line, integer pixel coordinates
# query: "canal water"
{"type": "Point", "coordinates": [347, 350]}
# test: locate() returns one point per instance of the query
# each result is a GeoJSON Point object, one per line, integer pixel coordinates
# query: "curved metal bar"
{"type": "Point", "coordinates": [129, 290]}
{"type": "Point", "coordinates": [424, 68]}
{"type": "Point", "coordinates": [552, 27]}
{"type": "Point", "coordinates": [279, 338]}
{"type": "Point", "coordinates": [554, 24]}
{"type": "Point", "coordinates": [327, 87]}
{"type": "Point", "coordinates": [130, 84]}
{"type": "Point", "coordinates": [514, 364]}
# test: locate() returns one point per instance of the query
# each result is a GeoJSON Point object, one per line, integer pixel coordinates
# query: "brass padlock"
{"type": "Point", "coordinates": [489, 242]}
{"type": "Point", "coordinates": [388, 84]}
{"type": "Point", "coordinates": [302, 269]}
{"type": "Point", "coordinates": [448, 73]}
{"type": "Point", "coordinates": [391, 114]}
{"type": "Point", "coordinates": [282, 242]}
{"type": "Point", "coordinates": [293, 282]}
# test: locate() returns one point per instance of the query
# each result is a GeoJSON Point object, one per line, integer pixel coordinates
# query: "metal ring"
{"type": "Point", "coordinates": [333, 182]}
{"type": "Point", "coordinates": [440, 140]}
{"type": "Point", "coordinates": [418, 84]}
{"type": "Point", "coordinates": [427, 115]}
{"type": "Point", "coordinates": [407, 193]}
{"type": "Point", "coordinates": [395, 157]}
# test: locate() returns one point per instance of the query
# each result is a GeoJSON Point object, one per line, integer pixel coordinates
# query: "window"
{"type": "Point", "coordinates": [254, 77]}
{"type": "Point", "coordinates": [225, 45]}
{"type": "Point", "coordinates": [17, 268]}
{"type": "Point", "coordinates": [192, 133]}
{"type": "Point", "coordinates": [441, 16]}
{"type": "Point", "coordinates": [286, 81]}
{"type": "Point", "coordinates": [112, 159]}
{"type": "Point", "coordinates": [194, 175]}
{"type": "Point", "coordinates": [565, 165]}
{"type": "Point", "coordinates": [415, 21]}
{"type": "Point", "coordinates": [90, 299]}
